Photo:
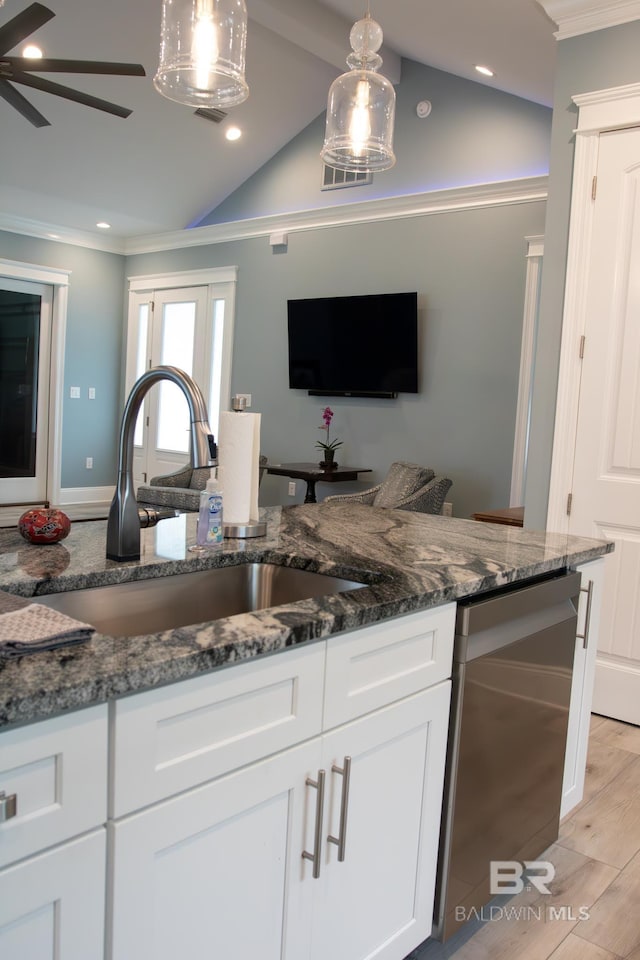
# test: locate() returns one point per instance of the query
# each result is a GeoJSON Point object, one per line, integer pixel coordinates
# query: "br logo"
{"type": "Point", "coordinates": [506, 876]}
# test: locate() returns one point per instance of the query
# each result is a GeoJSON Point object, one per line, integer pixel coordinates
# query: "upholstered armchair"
{"type": "Point", "coordinates": [407, 486]}
{"type": "Point", "coordinates": [181, 490]}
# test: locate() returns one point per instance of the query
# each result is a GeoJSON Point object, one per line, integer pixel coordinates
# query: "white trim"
{"type": "Point", "coordinates": [526, 190]}
{"type": "Point", "coordinates": [575, 17]}
{"type": "Point", "coordinates": [17, 270]}
{"type": "Point", "coordinates": [58, 234]}
{"type": "Point", "coordinates": [624, 109]}
{"type": "Point", "coordinates": [59, 280]}
{"type": "Point", "coordinates": [70, 496]}
{"type": "Point", "coordinates": [189, 278]}
{"type": "Point", "coordinates": [535, 250]}
{"type": "Point", "coordinates": [607, 109]}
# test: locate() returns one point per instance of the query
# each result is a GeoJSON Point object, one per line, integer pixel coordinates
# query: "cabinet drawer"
{"type": "Point", "coordinates": [58, 771]}
{"type": "Point", "coordinates": [377, 665]}
{"type": "Point", "coordinates": [174, 738]}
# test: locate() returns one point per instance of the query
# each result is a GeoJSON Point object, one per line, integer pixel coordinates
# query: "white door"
{"type": "Point", "coordinates": [606, 476]}
{"type": "Point", "coordinates": [172, 329]}
{"type": "Point", "coordinates": [52, 905]}
{"type": "Point", "coordinates": [25, 358]}
{"type": "Point", "coordinates": [378, 901]}
{"type": "Point", "coordinates": [217, 872]}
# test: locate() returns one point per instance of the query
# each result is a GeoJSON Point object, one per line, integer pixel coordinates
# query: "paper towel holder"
{"type": "Point", "coordinates": [253, 528]}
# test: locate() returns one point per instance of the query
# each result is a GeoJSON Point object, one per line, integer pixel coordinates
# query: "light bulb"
{"type": "Point", "coordinates": [204, 47]}
{"type": "Point", "coordinates": [360, 123]}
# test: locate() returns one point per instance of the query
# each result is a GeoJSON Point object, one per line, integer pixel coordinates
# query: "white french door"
{"type": "Point", "coordinates": [25, 361]}
{"type": "Point", "coordinates": [189, 327]}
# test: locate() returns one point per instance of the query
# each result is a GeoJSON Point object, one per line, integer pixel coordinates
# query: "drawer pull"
{"type": "Point", "coordinates": [317, 835]}
{"type": "Point", "coordinates": [8, 806]}
{"type": "Point", "coordinates": [341, 840]}
{"type": "Point", "coordinates": [587, 616]}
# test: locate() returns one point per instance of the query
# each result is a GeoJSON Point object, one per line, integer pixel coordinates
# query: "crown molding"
{"type": "Point", "coordinates": [504, 192]}
{"type": "Point", "coordinates": [527, 190]}
{"type": "Point", "coordinates": [57, 234]}
{"type": "Point", "coordinates": [575, 17]}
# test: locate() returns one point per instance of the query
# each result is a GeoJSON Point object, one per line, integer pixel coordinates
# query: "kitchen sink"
{"type": "Point", "coordinates": [180, 599]}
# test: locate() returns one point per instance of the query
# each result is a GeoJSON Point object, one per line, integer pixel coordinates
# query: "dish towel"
{"type": "Point", "coordinates": [34, 628]}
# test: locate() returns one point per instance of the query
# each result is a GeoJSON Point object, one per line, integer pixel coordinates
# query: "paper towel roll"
{"type": "Point", "coordinates": [238, 456]}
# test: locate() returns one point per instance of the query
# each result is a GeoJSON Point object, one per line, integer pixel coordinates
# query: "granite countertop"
{"type": "Point", "coordinates": [409, 562]}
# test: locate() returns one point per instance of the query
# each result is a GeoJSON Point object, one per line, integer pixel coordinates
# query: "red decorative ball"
{"type": "Point", "coordinates": [43, 525]}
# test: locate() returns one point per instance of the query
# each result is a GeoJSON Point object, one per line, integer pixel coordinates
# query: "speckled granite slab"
{"type": "Point", "coordinates": [408, 561]}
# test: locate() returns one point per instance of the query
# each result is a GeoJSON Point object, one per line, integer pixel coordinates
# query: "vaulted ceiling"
{"type": "Point", "coordinates": [164, 168]}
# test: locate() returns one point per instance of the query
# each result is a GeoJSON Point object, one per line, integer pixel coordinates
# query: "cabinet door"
{"type": "Point", "coordinates": [582, 684]}
{"type": "Point", "coordinates": [52, 905]}
{"type": "Point", "coordinates": [218, 872]}
{"type": "Point", "coordinates": [378, 902]}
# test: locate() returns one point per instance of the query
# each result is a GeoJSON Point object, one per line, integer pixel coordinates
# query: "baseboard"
{"type": "Point", "coordinates": [79, 503]}
{"type": "Point", "coordinates": [615, 692]}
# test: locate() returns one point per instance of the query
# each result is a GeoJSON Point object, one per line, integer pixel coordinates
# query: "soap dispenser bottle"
{"type": "Point", "coordinates": [209, 531]}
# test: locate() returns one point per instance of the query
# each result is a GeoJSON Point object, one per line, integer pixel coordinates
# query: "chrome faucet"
{"type": "Point", "coordinates": [125, 519]}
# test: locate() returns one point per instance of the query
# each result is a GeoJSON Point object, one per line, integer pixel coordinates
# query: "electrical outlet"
{"type": "Point", "coordinates": [247, 397]}
{"type": "Point", "coordinates": [74, 393]}
{"type": "Point", "coordinates": [89, 463]}
{"type": "Point", "coordinates": [447, 509]}
{"type": "Point", "coordinates": [92, 393]}
{"type": "Point", "coordinates": [292, 488]}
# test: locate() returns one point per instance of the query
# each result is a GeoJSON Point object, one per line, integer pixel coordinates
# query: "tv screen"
{"type": "Point", "coordinates": [354, 346]}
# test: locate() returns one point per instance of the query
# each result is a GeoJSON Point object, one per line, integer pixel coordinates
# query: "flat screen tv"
{"type": "Point", "coordinates": [354, 346]}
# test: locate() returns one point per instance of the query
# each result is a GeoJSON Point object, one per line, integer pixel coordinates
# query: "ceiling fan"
{"type": "Point", "coordinates": [21, 69]}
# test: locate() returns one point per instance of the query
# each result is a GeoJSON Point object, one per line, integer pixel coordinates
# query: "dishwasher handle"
{"type": "Point", "coordinates": [475, 616]}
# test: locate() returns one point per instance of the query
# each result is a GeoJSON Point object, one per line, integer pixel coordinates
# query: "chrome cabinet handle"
{"type": "Point", "coordinates": [317, 834]}
{"type": "Point", "coordinates": [8, 806]}
{"type": "Point", "coordinates": [341, 840]}
{"type": "Point", "coordinates": [587, 615]}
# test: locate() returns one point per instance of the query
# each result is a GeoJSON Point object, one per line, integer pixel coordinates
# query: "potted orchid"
{"type": "Point", "coordinates": [328, 446]}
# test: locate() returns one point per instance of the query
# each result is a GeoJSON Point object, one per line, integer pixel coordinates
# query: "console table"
{"type": "Point", "coordinates": [312, 473]}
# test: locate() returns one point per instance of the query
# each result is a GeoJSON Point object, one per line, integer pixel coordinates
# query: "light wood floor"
{"type": "Point", "coordinates": [597, 861]}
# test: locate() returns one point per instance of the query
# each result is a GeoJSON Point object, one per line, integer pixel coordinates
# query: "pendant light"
{"type": "Point", "coordinates": [202, 52]}
{"type": "Point", "coordinates": [361, 107]}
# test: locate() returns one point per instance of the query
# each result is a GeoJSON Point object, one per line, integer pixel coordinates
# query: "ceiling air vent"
{"type": "Point", "coordinates": [333, 179]}
{"type": "Point", "coordinates": [216, 116]}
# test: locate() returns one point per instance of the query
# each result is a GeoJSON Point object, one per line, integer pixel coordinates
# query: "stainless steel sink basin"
{"type": "Point", "coordinates": [149, 606]}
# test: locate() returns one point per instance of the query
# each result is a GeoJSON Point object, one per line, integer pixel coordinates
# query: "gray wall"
{"type": "Point", "coordinates": [474, 134]}
{"type": "Point", "coordinates": [595, 61]}
{"type": "Point", "coordinates": [468, 269]}
{"type": "Point", "coordinates": [93, 352]}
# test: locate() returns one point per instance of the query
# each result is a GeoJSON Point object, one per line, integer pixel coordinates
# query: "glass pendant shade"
{"type": "Point", "coordinates": [361, 108]}
{"type": "Point", "coordinates": [202, 52]}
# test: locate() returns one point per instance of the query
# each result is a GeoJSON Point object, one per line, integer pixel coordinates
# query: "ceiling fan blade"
{"type": "Point", "coordinates": [22, 25]}
{"type": "Point", "coordinates": [45, 65]}
{"type": "Point", "coordinates": [22, 105]}
{"type": "Point", "coordinates": [48, 86]}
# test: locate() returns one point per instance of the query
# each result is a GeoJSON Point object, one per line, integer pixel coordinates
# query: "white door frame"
{"type": "Point", "coordinates": [600, 111]}
{"type": "Point", "coordinates": [212, 277]}
{"type": "Point", "coordinates": [59, 280]}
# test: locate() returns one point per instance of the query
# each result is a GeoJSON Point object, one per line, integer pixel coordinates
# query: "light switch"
{"type": "Point", "coordinates": [74, 393]}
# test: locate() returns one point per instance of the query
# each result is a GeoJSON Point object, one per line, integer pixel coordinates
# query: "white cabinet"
{"type": "Point", "coordinates": [582, 684]}
{"type": "Point", "coordinates": [52, 905]}
{"type": "Point", "coordinates": [378, 901]}
{"type": "Point", "coordinates": [52, 887]}
{"type": "Point", "coordinates": [218, 870]}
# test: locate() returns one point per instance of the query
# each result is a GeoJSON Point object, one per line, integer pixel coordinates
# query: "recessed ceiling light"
{"type": "Point", "coordinates": [31, 51]}
{"type": "Point", "coordinates": [103, 225]}
{"type": "Point", "coordinates": [233, 133]}
{"type": "Point", "coordinates": [485, 71]}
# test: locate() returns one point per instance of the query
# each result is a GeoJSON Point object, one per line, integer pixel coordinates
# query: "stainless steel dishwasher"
{"type": "Point", "coordinates": [513, 660]}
